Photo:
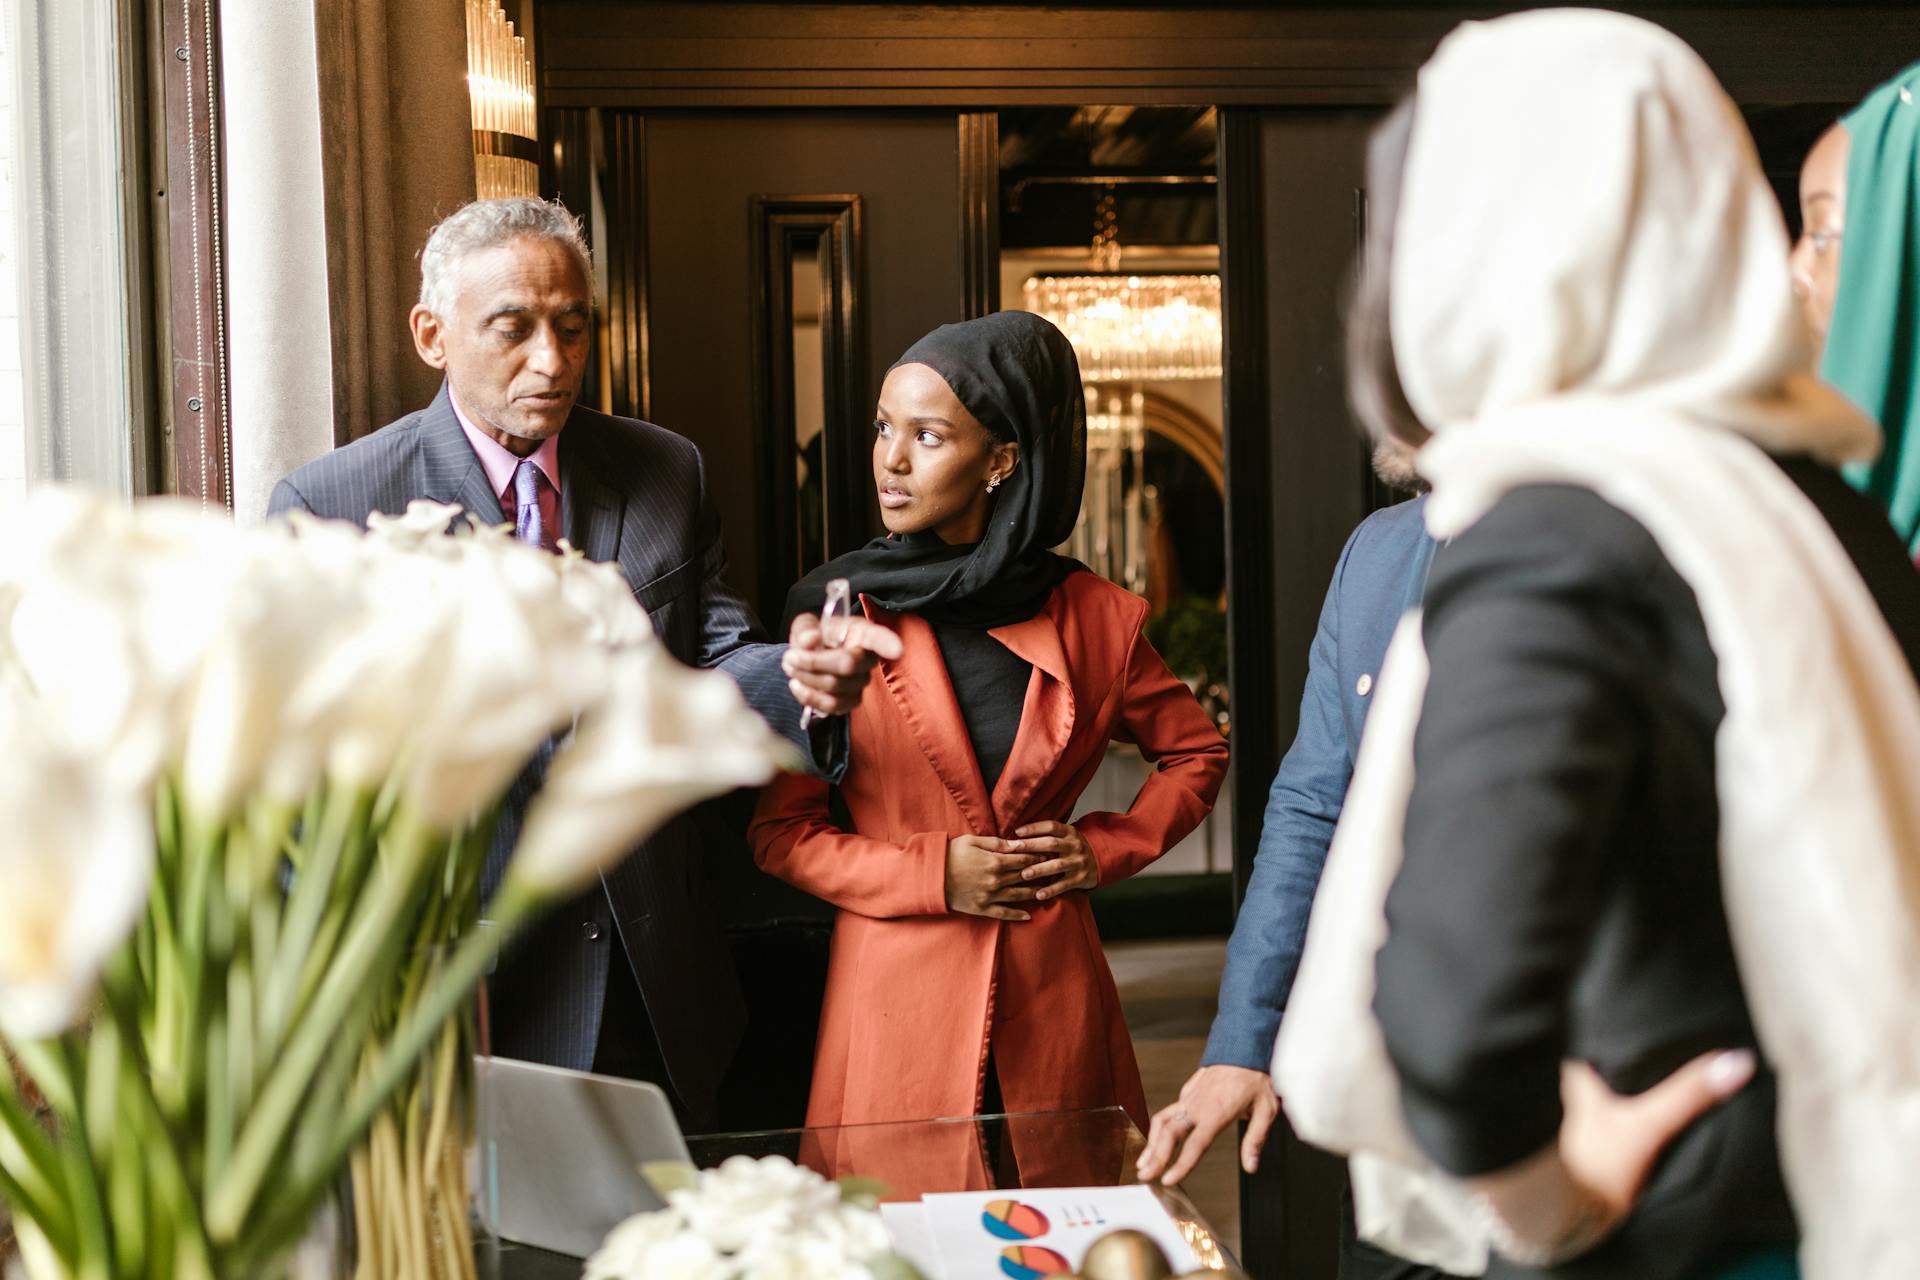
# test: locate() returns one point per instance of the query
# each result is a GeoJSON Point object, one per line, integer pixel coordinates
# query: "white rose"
{"type": "Point", "coordinates": [857, 1233]}
{"type": "Point", "coordinates": [745, 1199]}
{"type": "Point", "coordinates": [686, 1257]}
{"type": "Point", "coordinates": [799, 1258]}
{"type": "Point", "coordinates": [666, 737]}
{"type": "Point", "coordinates": [627, 1252]}
{"type": "Point", "coordinates": [422, 527]}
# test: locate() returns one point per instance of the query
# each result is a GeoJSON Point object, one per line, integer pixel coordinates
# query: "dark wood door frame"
{"type": "Point", "coordinates": [1244, 393]}
{"type": "Point", "coordinates": [979, 213]}
{"type": "Point", "coordinates": [194, 388]}
{"type": "Point", "coordinates": [779, 225]}
{"type": "Point", "coordinates": [645, 53]}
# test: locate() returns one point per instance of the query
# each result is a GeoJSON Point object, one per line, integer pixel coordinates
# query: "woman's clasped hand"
{"type": "Point", "coordinates": [987, 876]}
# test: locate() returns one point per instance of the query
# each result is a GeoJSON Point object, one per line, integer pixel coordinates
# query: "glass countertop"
{"type": "Point", "coordinates": [1093, 1148]}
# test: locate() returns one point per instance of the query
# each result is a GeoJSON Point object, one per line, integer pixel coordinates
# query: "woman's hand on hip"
{"type": "Point", "coordinates": [1564, 1200]}
{"type": "Point", "coordinates": [984, 877]}
{"type": "Point", "coordinates": [1064, 858]}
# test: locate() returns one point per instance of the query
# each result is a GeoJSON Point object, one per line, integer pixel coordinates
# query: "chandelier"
{"type": "Point", "coordinates": [506, 156]}
{"type": "Point", "coordinates": [1127, 330]}
{"type": "Point", "coordinates": [1134, 328]}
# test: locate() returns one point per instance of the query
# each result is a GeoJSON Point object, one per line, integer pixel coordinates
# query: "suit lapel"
{"type": "Point", "coordinates": [452, 469]}
{"type": "Point", "coordinates": [1046, 718]}
{"type": "Point", "coordinates": [923, 695]}
{"type": "Point", "coordinates": [590, 508]}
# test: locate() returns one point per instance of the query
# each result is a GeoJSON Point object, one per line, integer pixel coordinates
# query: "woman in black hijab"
{"type": "Point", "coordinates": [966, 970]}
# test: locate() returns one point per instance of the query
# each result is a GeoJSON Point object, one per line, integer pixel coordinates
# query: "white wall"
{"type": "Point", "coordinates": [13, 422]}
{"type": "Point", "coordinates": [279, 348]}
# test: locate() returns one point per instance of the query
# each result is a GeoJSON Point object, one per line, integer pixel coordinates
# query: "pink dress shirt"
{"type": "Point", "coordinates": [500, 463]}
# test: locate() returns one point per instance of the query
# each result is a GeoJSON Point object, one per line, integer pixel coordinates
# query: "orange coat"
{"type": "Point", "coordinates": [914, 990]}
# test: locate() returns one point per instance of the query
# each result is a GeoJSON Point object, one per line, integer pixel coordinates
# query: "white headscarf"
{"type": "Point", "coordinates": [1590, 286]}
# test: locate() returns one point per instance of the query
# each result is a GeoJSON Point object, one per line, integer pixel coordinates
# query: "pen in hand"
{"type": "Point", "coordinates": [834, 615]}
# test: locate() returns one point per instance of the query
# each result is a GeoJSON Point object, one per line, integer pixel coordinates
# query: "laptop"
{"type": "Point", "coordinates": [561, 1152]}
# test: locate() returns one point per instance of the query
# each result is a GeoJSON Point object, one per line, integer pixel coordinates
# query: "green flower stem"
{"type": "Point", "coordinates": [178, 1249]}
{"type": "Point", "coordinates": [242, 1065]}
{"type": "Point", "coordinates": [100, 1087]}
{"type": "Point", "coordinates": [47, 1067]}
{"type": "Point", "coordinates": [127, 1205]}
{"type": "Point", "coordinates": [93, 1251]}
{"type": "Point", "coordinates": [29, 1161]}
{"type": "Point", "coordinates": [348, 885]}
{"type": "Point", "coordinates": [219, 1118]}
{"type": "Point", "coordinates": [343, 821]}
{"type": "Point", "coordinates": [201, 848]}
{"type": "Point", "coordinates": [445, 1060]}
{"type": "Point", "coordinates": [512, 907]}
{"type": "Point", "coordinates": [414, 1175]}
{"type": "Point", "coordinates": [27, 1209]}
{"type": "Point", "coordinates": [353, 971]}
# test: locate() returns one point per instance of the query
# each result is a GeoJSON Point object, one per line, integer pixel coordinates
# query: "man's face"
{"type": "Point", "coordinates": [514, 345]}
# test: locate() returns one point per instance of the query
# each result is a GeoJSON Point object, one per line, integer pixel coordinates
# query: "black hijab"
{"type": "Point", "coordinates": [1017, 374]}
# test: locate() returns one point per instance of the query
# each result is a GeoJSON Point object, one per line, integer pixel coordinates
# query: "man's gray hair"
{"type": "Point", "coordinates": [484, 224]}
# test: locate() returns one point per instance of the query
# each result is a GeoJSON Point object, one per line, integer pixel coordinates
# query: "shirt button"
{"type": "Point", "coordinates": [1364, 686]}
{"type": "Point", "coordinates": [590, 931]}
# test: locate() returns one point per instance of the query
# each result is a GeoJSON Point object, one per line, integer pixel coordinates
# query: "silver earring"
{"type": "Point", "coordinates": [993, 483]}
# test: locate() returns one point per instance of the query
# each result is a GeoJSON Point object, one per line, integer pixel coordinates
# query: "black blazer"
{"type": "Point", "coordinates": [1560, 895]}
{"type": "Point", "coordinates": [632, 493]}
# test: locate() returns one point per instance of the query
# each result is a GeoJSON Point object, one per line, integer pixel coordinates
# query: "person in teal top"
{"type": "Point", "coordinates": [1858, 269]}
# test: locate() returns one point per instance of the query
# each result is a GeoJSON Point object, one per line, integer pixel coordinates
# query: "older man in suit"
{"type": "Point", "coordinates": [634, 977]}
{"type": "Point", "coordinates": [1381, 574]}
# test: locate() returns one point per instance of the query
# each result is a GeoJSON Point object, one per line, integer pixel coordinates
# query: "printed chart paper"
{"type": "Point", "coordinates": [1035, 1233]}
{"type": "Point", "coordinates": [906, 1224]}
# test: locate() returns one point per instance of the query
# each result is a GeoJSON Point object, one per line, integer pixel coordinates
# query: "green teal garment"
{"type": "Point", "coordinates": [1873, 343]}
{"type": "Point", "coordinates": [1772, 1264]}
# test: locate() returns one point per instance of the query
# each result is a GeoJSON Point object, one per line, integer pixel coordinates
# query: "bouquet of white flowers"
{"type": "Point", "coordinates": [250, 785]}
{"type": "Point", "coordinates": [766, 1219]}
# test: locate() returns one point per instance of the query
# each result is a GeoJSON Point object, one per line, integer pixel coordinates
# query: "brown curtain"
{"type": "Point", "coordinates": [397, 155]}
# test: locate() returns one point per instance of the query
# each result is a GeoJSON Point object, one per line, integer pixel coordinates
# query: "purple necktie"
{"type": "Point", "coordinates": [527, 523]}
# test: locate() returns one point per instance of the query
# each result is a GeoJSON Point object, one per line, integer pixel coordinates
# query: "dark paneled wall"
{"type": "Point", "coordinates": [702, 171]}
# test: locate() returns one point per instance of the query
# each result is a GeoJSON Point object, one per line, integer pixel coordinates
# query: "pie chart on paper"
{"type": "Point", "coordinates": [1011, 1220]}
{"type": "Point", "coordinates": [1031, 1262]}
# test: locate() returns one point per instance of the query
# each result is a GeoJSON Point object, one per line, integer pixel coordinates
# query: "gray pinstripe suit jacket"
{"type": "Point", "coordinates": [633, 493]}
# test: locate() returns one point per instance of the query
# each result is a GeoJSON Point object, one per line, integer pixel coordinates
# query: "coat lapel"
{"type": "Point", "coordinates": [1046, 718]}
{"type": "Point", "coordinates": [923, 695]}
{"type": "Point", "coordinates": [590, 508]}
{"type": "Point", "coordinates": [452, 469]}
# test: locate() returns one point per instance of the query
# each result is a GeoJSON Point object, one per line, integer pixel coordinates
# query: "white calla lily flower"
{"type": "Point", "coordinates": [76, 862]}
{"type": "Point", "coordinates": [667, 737]}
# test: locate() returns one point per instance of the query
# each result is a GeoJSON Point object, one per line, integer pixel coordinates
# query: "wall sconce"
{"type": "Point", "coordinates": [506, 151]}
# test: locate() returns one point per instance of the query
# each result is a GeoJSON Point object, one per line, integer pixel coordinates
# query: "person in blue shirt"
{"type": "Point", "coordinates": [1380, 575]}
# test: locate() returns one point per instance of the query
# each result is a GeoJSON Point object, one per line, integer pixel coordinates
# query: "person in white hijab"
{"type": "Point", "coordinates": [1634, 788]}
